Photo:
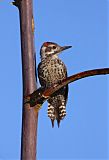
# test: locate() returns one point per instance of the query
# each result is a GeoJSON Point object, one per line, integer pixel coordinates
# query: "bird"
{"type": "Point", "coordinates": [51, 71]}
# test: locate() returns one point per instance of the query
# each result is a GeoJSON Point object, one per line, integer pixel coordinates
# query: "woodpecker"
{"type": "Point", "coordinates": [51, 71]}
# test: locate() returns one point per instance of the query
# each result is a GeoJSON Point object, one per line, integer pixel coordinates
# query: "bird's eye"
{"type": "Point", "coordinates": [54, 47]}
{"type": "Point", "coordinates": [48, 49]}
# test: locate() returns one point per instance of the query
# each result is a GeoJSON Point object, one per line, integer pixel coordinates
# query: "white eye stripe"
{"type": "Point", "coordinates": [43, 49]}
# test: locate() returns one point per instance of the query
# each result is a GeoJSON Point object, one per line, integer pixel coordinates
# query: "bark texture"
{"type": "Point", "coordinates": [29, 115]}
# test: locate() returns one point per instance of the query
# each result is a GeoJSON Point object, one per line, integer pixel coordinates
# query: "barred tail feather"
{"type": "Point", "coordinates": [61, 114]}
{"type": "Point", "coordinates": [62, 111]}
{"type": "Point", "coordinates": [51, 114]}
{"type": "Point", "coordinates": [57, 113]}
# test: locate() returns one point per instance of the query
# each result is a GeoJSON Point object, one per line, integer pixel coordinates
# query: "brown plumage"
{"type": "Point", "coordinates": [51, 70]}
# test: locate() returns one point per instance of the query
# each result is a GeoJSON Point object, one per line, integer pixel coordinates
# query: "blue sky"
{"type": "Point", "coordinates": [83, 133]}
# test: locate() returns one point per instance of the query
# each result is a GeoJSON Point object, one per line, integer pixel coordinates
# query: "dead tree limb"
{"type": "Point", "coordinates": [29, 116]}
{"type": "Point", "coordinates": [37, 98]}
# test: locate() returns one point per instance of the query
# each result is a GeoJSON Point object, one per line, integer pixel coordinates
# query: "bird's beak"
{"type": "Point", "coordinates": [64, 48]}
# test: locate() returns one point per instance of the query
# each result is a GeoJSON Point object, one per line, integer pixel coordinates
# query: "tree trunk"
{"type": "Point", "coordinates": [29, 116]}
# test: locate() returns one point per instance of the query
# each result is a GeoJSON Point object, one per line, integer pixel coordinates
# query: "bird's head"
{"type": "Point", "coordinates": [50, 49]}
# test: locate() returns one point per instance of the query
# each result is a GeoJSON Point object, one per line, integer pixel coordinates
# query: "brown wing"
{"type": "Point", "coordinates": [40, 75]}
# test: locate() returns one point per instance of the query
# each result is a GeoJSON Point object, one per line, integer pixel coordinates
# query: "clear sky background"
{"type": "Point", "coordinates": [83, 133]}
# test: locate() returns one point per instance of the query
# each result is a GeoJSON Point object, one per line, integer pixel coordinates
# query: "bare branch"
{"type": "Point", "coordinates": [37, 98]}
{"type": "Point", "coordinates": [29, 117]}
{"type": "Point", "coordinates": [16, 3]}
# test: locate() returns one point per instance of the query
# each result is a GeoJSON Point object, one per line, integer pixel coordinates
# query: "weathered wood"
{"type": "Point", "coordinates": [38, 97]}
{"type": "Point", "coordinates": [29, 116]}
